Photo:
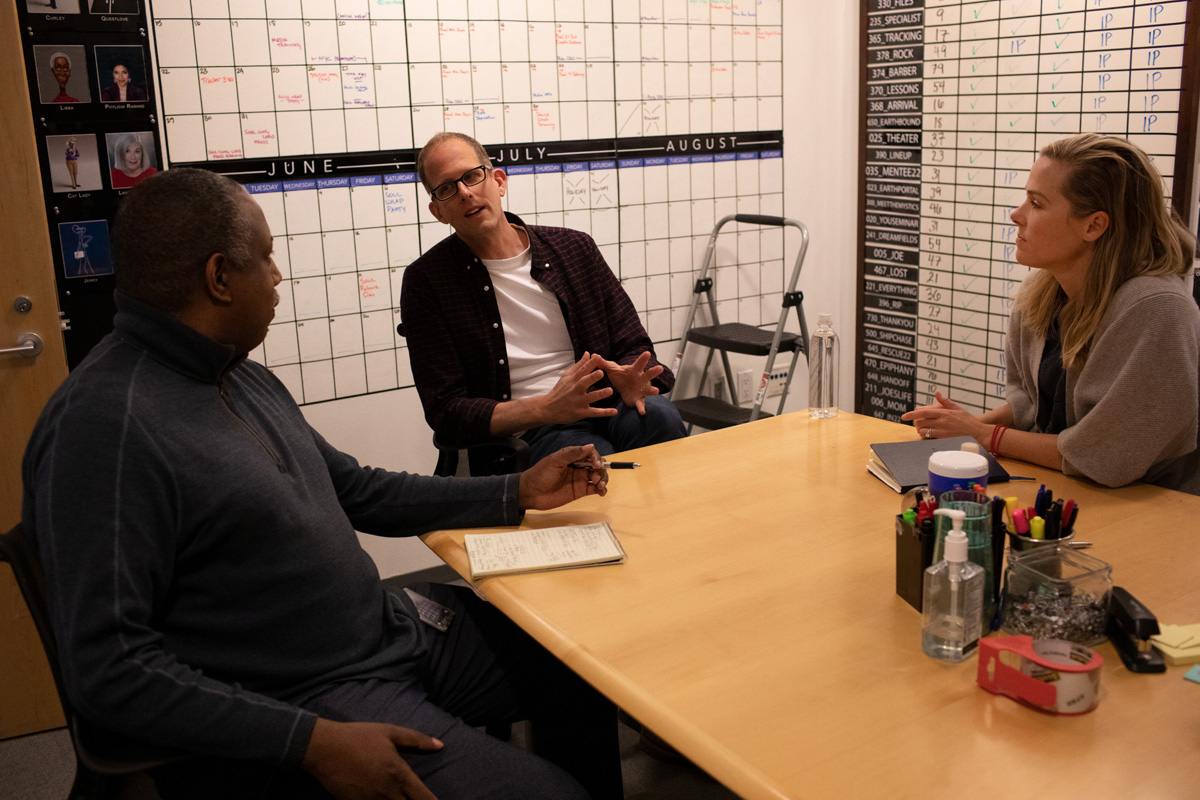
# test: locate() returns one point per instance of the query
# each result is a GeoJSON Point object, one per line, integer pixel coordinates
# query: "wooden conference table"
{"type": "Point", "coordinates": [756, 627]}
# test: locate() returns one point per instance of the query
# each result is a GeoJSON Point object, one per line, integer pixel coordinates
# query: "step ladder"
{"type": "Point", "coordinates": [713, 413]}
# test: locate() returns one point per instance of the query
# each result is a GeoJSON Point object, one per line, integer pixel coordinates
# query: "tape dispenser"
{"type": "Point", "coordinates": [1051, 675]}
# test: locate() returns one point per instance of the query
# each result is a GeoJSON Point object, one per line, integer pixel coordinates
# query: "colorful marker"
{"type": "Point", "coordinates": [1010, 505]}
{"type": "Point", "coordinates": [1020, 522]}
{"type": "Point", "coordinates": [1068, 517]}
{"type": "Point", "coordinates": [1054, 520]}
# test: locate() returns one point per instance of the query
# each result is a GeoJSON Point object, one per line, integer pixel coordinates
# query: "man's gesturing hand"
{"type": "Point", "coordinates": [633, 380]}
{"type": "Point", "coordinates": [571, 398]}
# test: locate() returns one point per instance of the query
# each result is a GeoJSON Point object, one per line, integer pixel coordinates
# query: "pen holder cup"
{"type": "Point", "coordinates": [1057, 593]}
{"type": "Point", "coordinates": [914, 554]}
{"type": "Point", "coordinates": [978, 527]}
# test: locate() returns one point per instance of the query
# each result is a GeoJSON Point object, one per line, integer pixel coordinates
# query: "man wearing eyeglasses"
{"type": "Point", "coordinates": [523, 329]}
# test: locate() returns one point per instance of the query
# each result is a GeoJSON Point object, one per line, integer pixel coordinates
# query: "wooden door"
{"type": "Point", "coordinates": [28, 699]}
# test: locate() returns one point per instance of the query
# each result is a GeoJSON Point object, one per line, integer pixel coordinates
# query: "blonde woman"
{"type": "Point", "coordinates": [72, 157]}
{"type": "Point", "coordinates": [1103, 347]}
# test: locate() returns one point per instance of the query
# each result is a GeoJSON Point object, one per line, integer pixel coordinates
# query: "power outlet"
{"type": "Point", "coordinates": [745, 387]}
{"type": "Point", "coordinates": [776, 382]}
{"type": "Point", "coordinates": [716, 383]}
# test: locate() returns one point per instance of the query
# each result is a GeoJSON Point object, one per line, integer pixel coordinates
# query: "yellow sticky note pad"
{"type": "Point", "coordinates": [1179, 644]}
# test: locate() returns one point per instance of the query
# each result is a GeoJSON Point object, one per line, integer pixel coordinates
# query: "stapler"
{"type": "Point", "coordinates": [1130, 626]}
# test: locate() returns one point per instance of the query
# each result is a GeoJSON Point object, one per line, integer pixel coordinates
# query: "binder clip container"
{"type": "Point", "coordinates": [1021, 545]}
{"type": "Point", "coordinates": [1057, 593]}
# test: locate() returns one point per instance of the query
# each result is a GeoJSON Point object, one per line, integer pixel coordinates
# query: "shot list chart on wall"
{"type": "Point", "coordinates": [641, 122]}
{"type": "Point", "coordinates": [959, 97]}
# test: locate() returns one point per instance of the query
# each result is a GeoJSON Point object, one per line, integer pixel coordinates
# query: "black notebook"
{"type": "Point", "coordinates": [903, 465]}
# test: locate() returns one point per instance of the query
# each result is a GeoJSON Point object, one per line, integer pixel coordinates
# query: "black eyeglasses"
{"type": "Point", "coordinates": [471, 177]}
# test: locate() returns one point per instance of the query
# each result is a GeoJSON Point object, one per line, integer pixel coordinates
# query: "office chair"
{"type": "Point", "coordinates": [102, 758]}
{"type": "Point", "coordinates": [496, 457]}
{"type": "Point", "coordinates": [500, 456]}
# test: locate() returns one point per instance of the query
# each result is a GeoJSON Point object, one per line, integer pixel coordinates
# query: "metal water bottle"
{"type": "Point", "coordinates": [823, 369]}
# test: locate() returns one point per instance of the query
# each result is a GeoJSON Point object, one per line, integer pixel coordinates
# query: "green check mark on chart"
{"type": "Point", "coordinates": [1059, 43]}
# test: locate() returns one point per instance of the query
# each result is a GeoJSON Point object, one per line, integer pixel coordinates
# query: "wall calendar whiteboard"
{"type": "Point", "coordinates": [641, 122]}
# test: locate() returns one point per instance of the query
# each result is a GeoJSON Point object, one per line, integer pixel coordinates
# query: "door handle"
{"type": "Point", "coordinates": [28, 345]}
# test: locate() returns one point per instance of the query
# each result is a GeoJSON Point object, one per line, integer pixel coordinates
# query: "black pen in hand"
{"type": "Point", "coordinates": [607, 465]}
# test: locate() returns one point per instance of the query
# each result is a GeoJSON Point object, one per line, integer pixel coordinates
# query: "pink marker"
{"type": "Point", "coordinates": [1019, 522]}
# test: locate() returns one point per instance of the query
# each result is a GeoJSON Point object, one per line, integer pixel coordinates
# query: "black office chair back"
{"type": "Point", "coordinates": [501, 456]}
{"type": "Point", "coordinates": [100, 755]}
{"type": "Point", "coordinates": [496, 457]}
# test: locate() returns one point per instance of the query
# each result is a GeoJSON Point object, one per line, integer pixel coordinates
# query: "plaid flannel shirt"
{"type": "Point", "coordinates": [456, 340]}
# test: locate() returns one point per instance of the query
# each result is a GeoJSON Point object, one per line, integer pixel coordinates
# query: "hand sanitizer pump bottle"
{"type": "Point", "coordinates": [953, 607]}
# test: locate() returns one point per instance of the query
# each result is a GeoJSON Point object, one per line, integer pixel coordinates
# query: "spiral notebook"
{"type": "Point", "coordinates": [903, 465]}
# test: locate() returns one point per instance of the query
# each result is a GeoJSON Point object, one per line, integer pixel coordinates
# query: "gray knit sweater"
{"type": "Point", "coordinates": [199, 544]}
{"type": "Point", "coordinates": [1132, 409]}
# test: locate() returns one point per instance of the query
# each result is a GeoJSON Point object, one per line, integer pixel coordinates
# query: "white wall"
{"type": "Point", "coordinates": [383, 430]}
{"type": "Point", "coordinates": [820, 69]}
{"type": "Point", "coordinates": [820, 128]}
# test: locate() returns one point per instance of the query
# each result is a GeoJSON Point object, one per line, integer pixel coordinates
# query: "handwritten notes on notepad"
{"type": "Point", "coordinates": [540, 549]}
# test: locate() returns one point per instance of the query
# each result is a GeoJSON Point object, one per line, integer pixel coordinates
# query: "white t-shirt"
{"type": "Point", "coordinates": [539, 347]}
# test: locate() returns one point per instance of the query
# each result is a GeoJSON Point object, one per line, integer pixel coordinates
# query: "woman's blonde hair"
{"type": "Point", "coordinates": [1144, 236]}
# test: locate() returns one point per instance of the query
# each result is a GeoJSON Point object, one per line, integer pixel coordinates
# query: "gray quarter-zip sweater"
{"type": "Point", "coordinates": [199, 544]}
